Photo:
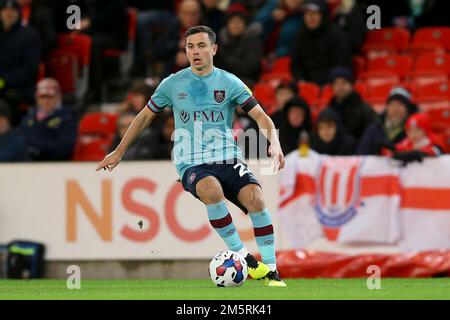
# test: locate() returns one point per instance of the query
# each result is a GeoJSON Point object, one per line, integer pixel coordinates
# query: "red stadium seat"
{"type": "Point", "coordinates": [279, 70]}
{"type": "Point", "coordinates": [430, 68]}
{"type": "Point", "coordinates": [100, 123]}
{"type": "Point", "coordinates": [430, 40]}
{"type": "Point", "coordinates": [265, 94]}
{"type": "Point", "coordinates": [91, 148]}
{"type": "Point", "coordinates": [386, 67]}
{"type": "Point", "coordinates": [95, 134]}
{"type": "Point", "coordinates": [41, 72]}
{"type": "Point", "coordinates": [309, 91]}
{"type": "Point", "coordinates": [386, 41]}
{"type": "Point", "coordinates": [63, 66]}
{"type": "Point", "coordinates": [439, 119]}
{"type": "Point", "coordinates": [80, 45]}
{"type": "Point", "coordinates": [434, 92]}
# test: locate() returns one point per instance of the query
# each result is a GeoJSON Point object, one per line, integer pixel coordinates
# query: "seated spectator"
{"type": "Point", "coordinates": [296, 119]}
{"type": "Point", "coordinates": [213, 17]}
{"type": "Point", "coordinates": [170, 47]}
{"type": "Point", "coordinates": [19, 59]}
{"type": "Point", "coordinates": [137, 97]}
{"type": "Point", "coordinates": [12, 144]}
{"type": "Point", "coordinates": [319, 47]}
{"type": "Point", "coordinates": [352, 21]}
{"type": "Point", "coordinates": [389, 130]}
{"type": "Point", "coordinates": [284, 92]}
{"type": "Point", "coordinates": [153, 17]}
{"type": "Point", "coordinates": [39, 17]}
{"type": "Point", "coordinates": [280, 21]}
{"type": "Point", "coordinates": [330, 137]}
{"type": "Point", "coordinates": [152, 144]}
{"type": "Point", "coordinates": [420, 137]}
{"type": "Point", "coordinates": [240, 51]}
{"type": "Point", "coordinates": [356, 115]}
{"type": "Point", "coordinates": [50, 129]}
{"type": "Point", "coordinates": [108, 27]}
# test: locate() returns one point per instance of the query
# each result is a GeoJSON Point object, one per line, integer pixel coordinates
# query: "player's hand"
{"type": "Point", "coordinates": [110, 161]}
{"type": "Point", "coordinates": [277, 156]}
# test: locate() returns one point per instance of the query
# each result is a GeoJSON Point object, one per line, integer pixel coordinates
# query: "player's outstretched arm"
{"type": "Point", "coordinates": [140, 122]}
{"type": "Point", "coordinates": [264, 122]}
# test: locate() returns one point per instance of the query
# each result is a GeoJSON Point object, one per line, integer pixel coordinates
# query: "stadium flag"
{"type": "Point", "coordinates": [365, 200]}
{"type": "Point", "coordinates": [425, 205]}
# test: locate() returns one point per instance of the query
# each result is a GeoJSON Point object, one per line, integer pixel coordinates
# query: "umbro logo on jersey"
{"type": "Point", "coordinates": [182, 95]}
{"type": "Point", "coordinates": [184, 116]}
{"type": "Point", "coordinates": [219, 95]}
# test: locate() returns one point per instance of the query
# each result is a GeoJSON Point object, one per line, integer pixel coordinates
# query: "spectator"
{"type": "Point", "coordinates": [280, 22]}
{"type": "Point", "coordinates": [137, 97]}
{"type": "Point", "coordinates": [151, 144]}
{"type": "Point", "coordinates": [356, 115]}
{"type": "Point", "coordinates": [49, 128]}
{"type": "Point", "coordinates": [390, 128]}
{"type": "Point", "coordinates": [330, 137]}
{"type": "Point", "coordinates": [296, 118]}
{"type": "Point", "coordinates": [351, 20]}
{"type": "Point", "coordinates": [213, 17]}
{"type": "Point", "coordinates": [240, 51]}
{"type": "Point", "coordinates": [107, 25]}
{"type": "Point", "coordinates": [153, 17]}
{"type": "Point", "coordinates": [170, 48]}
{"type": "Point", "coordinates": [12, 144]}
{"type": "Point", "coordinates": [19, 59]}
{"type": "Point", "coordinates": [39, 17]}
{"type": "Point", "coordinates": [285, 91]}
{"type": "Point", "coordinates": [420, 137]}
{"type": "Point", "coordinates": [320, 46]}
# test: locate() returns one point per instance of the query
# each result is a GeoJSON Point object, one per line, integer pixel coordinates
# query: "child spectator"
{"type": "Point", "coordinates": [330, 137]}
{"type": "Point", "coordinates": [296, 119]}
{"type": "Point", "coordinates": [137, 97]}
{"type": "Point", "coordinates": [420, 137]}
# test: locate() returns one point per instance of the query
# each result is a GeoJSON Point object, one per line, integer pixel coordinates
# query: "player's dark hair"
{"type": "Point", "coordinates": [200, 29]}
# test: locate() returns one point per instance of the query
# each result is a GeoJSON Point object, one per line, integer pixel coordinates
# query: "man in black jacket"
{"type": "Point", "coordinates": [356, 115]}
{"type": "Point", "coordinates": [12, 144]}
{"type": "Point", "coordinates": [19, 59]}
{"type": "Point", "coordinates": [319, 46]}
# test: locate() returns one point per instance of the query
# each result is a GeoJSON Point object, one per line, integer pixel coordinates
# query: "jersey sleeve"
{"type": "Point", "coordinates": [242, 95]}
{"type": "Point", "coordinates": [161, 97]}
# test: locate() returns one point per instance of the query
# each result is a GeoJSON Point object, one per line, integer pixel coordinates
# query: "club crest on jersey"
{"type": "Point", "coordinates": [338, 190]}
{"type": "Point", "coordinates": [219, 95]}
{"type": "Point", "coordinates": [192, 178]}
{"type": "Point", "coordinates": [184, 116]}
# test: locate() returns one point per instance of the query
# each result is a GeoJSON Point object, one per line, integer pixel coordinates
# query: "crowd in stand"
{"type": "Point", "coordinates": [321, 40]}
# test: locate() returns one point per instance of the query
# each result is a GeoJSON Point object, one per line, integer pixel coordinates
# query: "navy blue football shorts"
{"type": "Point", "coordinates": [232, 176]}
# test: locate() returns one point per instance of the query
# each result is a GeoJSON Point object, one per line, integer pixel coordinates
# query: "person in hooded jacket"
{"type": "Point", "coordinates": [319, 47]}
{"type": "Point", "coordinates": [240, 50]}
{"type": "Point", "coordinates": [389, 128]}
{"type": "Point", "coordinates": [296, 119]}
{"type": "Point", "coordinates": [356, 114]}
{"type": "Point", "coordinates": [330, 137]}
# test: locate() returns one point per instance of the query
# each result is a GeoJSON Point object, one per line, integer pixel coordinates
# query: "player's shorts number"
{"type": "Point", "coordinates": [242, 169]}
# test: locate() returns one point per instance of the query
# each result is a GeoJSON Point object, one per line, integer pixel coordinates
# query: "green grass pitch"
{"type": "Point", "coordinates": [430, 288]}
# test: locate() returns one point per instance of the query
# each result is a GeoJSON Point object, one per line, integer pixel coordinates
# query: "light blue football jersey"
{"type": "Point", "coordinates": [203, 109]}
